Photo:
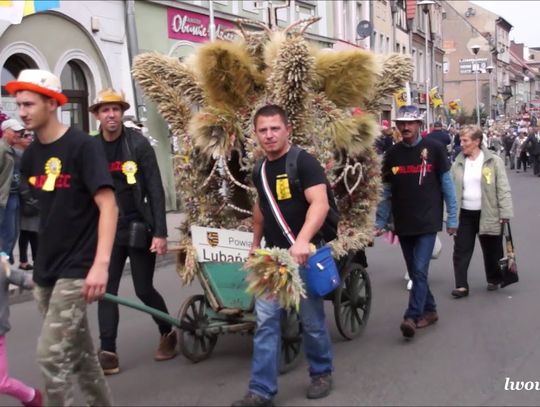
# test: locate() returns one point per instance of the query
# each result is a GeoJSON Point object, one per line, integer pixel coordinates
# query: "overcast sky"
{"type": "Point", "coordinates": [523, 15]}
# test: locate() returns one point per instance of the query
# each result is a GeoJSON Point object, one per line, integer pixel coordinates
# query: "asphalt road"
{"type": "Point", "coordinates": [465, 359]}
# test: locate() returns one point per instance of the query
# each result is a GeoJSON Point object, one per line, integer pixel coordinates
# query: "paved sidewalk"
{"type": "Point", "coordinates": [173, 223]}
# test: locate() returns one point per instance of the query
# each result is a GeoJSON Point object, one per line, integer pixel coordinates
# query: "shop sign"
{"type": "Point", "coordinates": [471, 65]}
{"type": "Point", "coordinates": [194, 27]}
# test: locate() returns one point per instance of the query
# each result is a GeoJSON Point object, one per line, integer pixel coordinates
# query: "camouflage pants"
{"type": "Point", "coordinates": [65, 346]}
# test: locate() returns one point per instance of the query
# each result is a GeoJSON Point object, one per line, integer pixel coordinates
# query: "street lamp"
{"type": "Point", "coordinates": [489, 69]}
{"type": "Point", "coordinates": [425, 8]}
{"type": "Point", "coordinates": [475, 49]}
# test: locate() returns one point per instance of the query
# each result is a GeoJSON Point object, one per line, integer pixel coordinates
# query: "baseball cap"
{"type": "Point", "coordinates": [12, 124]}
{"type": "Point", "coordinates": [39, 81]}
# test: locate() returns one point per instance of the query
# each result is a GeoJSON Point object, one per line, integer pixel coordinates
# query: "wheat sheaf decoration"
{"type": "Point", "coordinates": [209, 101]}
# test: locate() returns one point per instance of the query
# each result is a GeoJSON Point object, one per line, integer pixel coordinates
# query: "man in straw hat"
{"type": "Point", "coordinates": [141, 200]}
{"type": "Point", "coordinates": [416, 176]}
{"type": "Point", "coordinates": [69, 174]}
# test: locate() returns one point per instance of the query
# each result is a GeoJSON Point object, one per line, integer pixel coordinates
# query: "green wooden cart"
{"type": "Point", "coordinates": [225, 307]}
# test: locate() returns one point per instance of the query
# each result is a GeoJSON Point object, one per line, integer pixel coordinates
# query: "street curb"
{"type": "Point", "coordinates": [18, 295]}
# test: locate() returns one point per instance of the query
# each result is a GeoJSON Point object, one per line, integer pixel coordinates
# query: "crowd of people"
{"type": "Point", "coordinates": [96, 201]}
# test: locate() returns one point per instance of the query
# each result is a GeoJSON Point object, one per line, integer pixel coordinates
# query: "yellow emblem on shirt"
{"type": "Point", "coordinates": [486, 171]}
{"type": "Point", "coordinates": [129, 169]}
{"type": "Point", "coordinates": [282, 187]}
{"type": "Point", "coordinates": [53, 166]}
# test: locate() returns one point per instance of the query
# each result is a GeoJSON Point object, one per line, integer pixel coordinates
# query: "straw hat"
{"type": "Point", "coordinates": [409, 114]}
{"type": "Point", "coordinates": [109, 95]}
{"type": "Point", "coordinates": [39, 81]}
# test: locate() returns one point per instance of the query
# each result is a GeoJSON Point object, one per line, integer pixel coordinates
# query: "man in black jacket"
{"type": "Point", "coordinates": [532, 145]}
{"type": "Point", "coordinates": [142, 229]}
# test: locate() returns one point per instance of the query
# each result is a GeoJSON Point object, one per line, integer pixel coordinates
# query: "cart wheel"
{"type": "Point", "coordinates": [194, 342]}
{"type": "Point", "coordinates": [352, 302]}
{"type": "Point", "coordinates": [291, 341]}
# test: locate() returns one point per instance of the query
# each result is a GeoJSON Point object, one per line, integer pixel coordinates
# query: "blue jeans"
{"type": "Point", "coordinates": [267, 343]}
{"type": "Point", "coordinates": [9, 227]}
{"type": "Point", "coordinates": [417, 252]}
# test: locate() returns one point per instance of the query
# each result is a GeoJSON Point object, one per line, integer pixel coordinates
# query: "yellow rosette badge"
{"type": "Point", "coordinates": [53, 166]}
{"type": "Point", "coordinates": [129, 169]}
{"type": "Point", "coordinates": [487, 174]}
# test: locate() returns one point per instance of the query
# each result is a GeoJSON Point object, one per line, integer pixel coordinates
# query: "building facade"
{"type": "Point", "coordinates": [94, 57]}
{"type": "Point", "coordinates": [466, 26]}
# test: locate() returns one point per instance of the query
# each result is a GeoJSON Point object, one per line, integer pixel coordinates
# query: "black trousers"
{"type": "Point", "coordinates": [522, 160]}
{"type": "Point", "coordinates": [26, 237]}
{"type": "Point", "coordinates": [536, 164]}
{"type": "Point", "coordinates": [142, 272]}
{"type": "Point", "coordinates": [492, 249]}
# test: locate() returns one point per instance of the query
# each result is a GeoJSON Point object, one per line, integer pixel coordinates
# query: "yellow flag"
{"type": "Point", "coordinates": [401, 98]}
{"type": "Point", "coordinates": [436, 99]}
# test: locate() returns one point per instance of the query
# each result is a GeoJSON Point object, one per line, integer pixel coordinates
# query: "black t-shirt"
{"type": "Point", "coordinates": [68, 213]}
{"type": "Point", "coordinates": [292, 204]}
{"type": "Point", "coordinates": [417, 201]}
{"type": "Point", "coordinates": [123, 190]}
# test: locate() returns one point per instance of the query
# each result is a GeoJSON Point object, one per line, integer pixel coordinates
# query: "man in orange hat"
{"type": "Point", "coordinates": [142, 230]}
{"type": "Point", "coordinates": [68, 172]}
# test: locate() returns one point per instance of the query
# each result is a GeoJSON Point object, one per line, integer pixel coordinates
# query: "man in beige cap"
{"type": "Point", "coordinates": [10, 163]}
{"type": "Point", "coordinates": [142, 230]}
{"type": "Point", "coordinates": [68, 172]}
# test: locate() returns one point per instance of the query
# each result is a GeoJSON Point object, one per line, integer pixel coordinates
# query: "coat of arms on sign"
{"type": "Point", "coordinates": [213, 238]}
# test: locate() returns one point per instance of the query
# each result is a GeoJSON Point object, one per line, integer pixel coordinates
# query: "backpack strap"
{"type": "Point", "coordinates": [291, 167]}
{"type": "Point", "coordinates": [256, 172]}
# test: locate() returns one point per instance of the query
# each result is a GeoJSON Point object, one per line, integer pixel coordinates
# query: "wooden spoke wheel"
{"type": "Point", "coordinates": [291, 341]}
{"type": "Point", "coordinates": [194, 342]}
{"type": "Point", "coordinates": [352, 301]}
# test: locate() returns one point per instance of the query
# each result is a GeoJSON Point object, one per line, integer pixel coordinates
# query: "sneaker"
{"type": "Point", "coordinates": [254, 400]}
{"type": "Point", "coordinates": [492, 287]}
{"type": "Point", "coordinates": [319, 387]}
{"type": "Point", "coordinates": [108, 362]}
{"type": "Point", "coordinates": [429, 318]}
{"type": "Point", "coordinates": [167, 347]}
{"type": "Point", "coordinates": [37, 401]}
{"type": "Point", "coordinates": [408, 328]}
{"type": "Point", "coordinates": [26, 267]}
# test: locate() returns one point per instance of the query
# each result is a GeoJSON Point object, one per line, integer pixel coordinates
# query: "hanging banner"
{"type": "Point", "coordinates": [436, 99]}
{"type": "Point", "coordinates": [401, 98]}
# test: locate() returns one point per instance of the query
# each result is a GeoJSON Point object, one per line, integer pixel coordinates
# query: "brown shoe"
{"type": "Point", "coordinates": [429, 318]}
{"type": "Point", "coordinates": [408, 328]}
{"type": "Point", "coordinates": [108, 362]}
{"type": "Point", "coordinates": [167, 347]}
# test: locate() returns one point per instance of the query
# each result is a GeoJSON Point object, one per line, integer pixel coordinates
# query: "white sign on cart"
{"type": "Point", "coordinates": [221, 245]}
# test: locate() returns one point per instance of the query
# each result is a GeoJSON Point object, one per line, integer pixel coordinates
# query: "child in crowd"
{"type": "Point", "coordinates": [28, 396]}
